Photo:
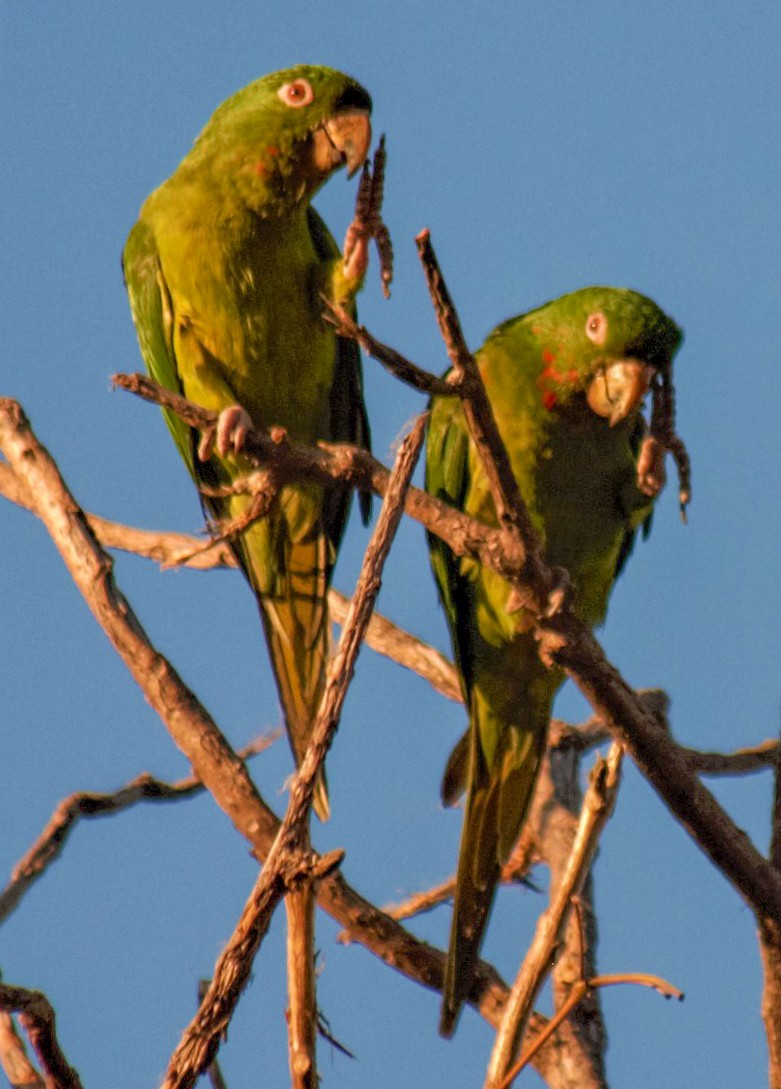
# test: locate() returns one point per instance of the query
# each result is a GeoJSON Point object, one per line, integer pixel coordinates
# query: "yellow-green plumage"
{"type": "Point", "coordinates": [225, 270]}
{"type": "Point", "coordinates": [578, 476]}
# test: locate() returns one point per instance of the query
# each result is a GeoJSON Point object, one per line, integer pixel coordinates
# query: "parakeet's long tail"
{"type": "Point", "coordinates": [496, 805]}
{"type": "Point", "coordinates": [296, 626]}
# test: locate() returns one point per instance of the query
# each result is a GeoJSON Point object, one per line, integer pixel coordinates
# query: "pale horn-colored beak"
{"type": "Point", "coordinates": [619, 389]}
{"type": "Point", "coordinates": [343, 138]}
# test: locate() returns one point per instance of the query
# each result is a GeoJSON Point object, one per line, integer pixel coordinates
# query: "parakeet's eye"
{"type": "Point", "coordinates": [596, 327]}
{"type": "Point", "coordinates": [296, 94]}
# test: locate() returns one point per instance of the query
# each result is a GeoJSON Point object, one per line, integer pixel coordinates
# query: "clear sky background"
{"type": "Point", "coordinates": [548, 144]}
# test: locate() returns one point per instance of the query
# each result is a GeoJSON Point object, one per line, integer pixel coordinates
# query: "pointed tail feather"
{"type": "Point", "coordinates": [472, 904]}
{"type": "Point", "coordinates": [496, 806]}
{"type": "Point", "coordinates": [295, 619]}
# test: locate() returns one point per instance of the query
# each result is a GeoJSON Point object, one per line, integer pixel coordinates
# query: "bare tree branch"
{"type": "Point", "coordinates": [520, 536]}
{"type": "Point", "coordinates": [213, 1073]}
{"type": "Point", "coordinates": [38, 1020]}
{"type": "Point", "coordinates": [174, 549]}
{"type": "Point", "coordinates": [89, 805]}
{"type": "Point", "coordinates": [583, 989]}
{"type": "Point", "coordinates": [597, 807]}
{"type": "Point", "coordinates": [390, 359]}
{"type": "Point", "coordinates": [744, 761]}
{"type": "Point", "coordinates": [404, 649]}
{"type": "Point", "coordinates": [301, 983]}
{"type": "Point", "coordinates": [555, 837]}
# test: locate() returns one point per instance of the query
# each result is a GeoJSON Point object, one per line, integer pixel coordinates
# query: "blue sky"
{"type": "Point", "coordinates": [547, 146]}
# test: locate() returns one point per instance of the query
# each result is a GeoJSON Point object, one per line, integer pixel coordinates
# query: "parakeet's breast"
{"type": "Point", "coordinates": [583, 469]}
{"type": "Point", "coordinates": [246, 304]}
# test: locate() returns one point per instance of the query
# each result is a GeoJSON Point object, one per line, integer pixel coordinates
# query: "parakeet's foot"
{"type": "Point", "coordinates": [367, 224]}
{"type": "Point", "coordinates": [227, 435]}
{"type": "Point", "coordinates": [651, 473]}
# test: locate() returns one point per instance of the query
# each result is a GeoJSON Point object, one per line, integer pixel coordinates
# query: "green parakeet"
{"type": "Point", "coordinates": [566, 382]}
{"type": "Point", "coordinates": [225, 268]}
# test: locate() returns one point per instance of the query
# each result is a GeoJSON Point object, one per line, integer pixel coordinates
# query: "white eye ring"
{"type": "Point", "coordinates": [296, 94]}
{"type": "Point", "coordinates": [596, 327]}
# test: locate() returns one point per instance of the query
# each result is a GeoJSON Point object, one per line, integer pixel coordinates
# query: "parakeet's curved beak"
{"type": "Point", "coordinates": [343, 138]}
{"type": "Point", "coordinates": [618, 389]}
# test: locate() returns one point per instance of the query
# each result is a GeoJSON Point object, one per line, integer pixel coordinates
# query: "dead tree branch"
{"type": "Point", "coordinates": [583, 989]}
{"type": "Point", "coordinates": [38, 1020]}
{"type": "Point", "coordinates": [597, 807]}
{"type": "Point", "coordinates": [89, 805]}
{"type": "Point", "coordinates": [395, 363]}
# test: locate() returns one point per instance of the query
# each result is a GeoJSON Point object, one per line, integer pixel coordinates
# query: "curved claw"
{"type": "Point", "coordinates": [651, 473]}
{"type": "Point", "coordinates": [228, 434]}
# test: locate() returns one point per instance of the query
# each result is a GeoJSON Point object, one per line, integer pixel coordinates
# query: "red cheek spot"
{"type": "Point", "coordinates": [547, 356]}
{"type": "Point", "coordinates": [549, 400]}
{"type": "Point", "coordinates": [260, 169]}
{"type": "Point", "coordinates": [272, 151]}
{"type": "Point", "coordinates": [573, 375]}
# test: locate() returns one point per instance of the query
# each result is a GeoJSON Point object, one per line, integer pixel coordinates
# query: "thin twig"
{"type": "Point", "coordinates": [744, 761]}
{"type": "Point", "coordinates": [520, 537]}
{"type": "Point", "coordinates": [580, 990]}
{"type": "Point", "coordinates": [597, 807]}
{"type": "Point", "coordinates": [584, 1055]}
{"type": "Point", "coordinates": [287, 862]}
{"type": "Point", "coordinates": [88, 805]}
{"type": "Point", "coordinates": [386, 638]}
{"type": "Point", "coordinates": [198, 1046]}
{"type": "Point", "coordinates": [421, 902]}
{"type": "Point", "coordinates": [397, 364]}
{"type": "Point", "coordinates": [37, 1018]}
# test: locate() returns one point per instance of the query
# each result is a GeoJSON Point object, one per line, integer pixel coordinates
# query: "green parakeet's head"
{"type": "Point", "coordinates": [278, 139]}
{"type": "Point", "coordinates": [607, 342]}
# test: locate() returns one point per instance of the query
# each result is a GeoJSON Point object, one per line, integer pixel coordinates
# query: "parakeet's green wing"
{"type": "Point", "coordinates": [447, 478]}
{"type": "Point", "coordinates": [150, 303]}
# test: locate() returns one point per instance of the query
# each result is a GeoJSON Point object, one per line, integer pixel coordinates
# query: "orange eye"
{"type": "Point", "coordinates": [296, 94]}
{"type": "Point", "coordinates": [596, 327]}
